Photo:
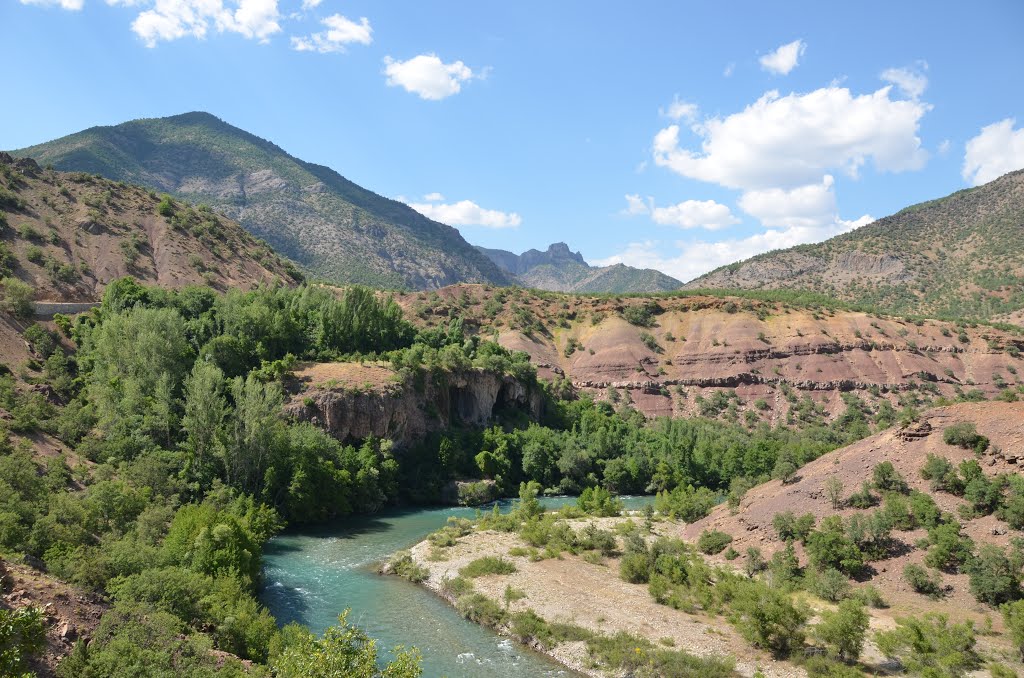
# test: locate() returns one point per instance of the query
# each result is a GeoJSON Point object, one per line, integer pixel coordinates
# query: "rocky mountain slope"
{"type": "Point", "coordinates": [333, 228]}
{"type": "Point", "coordinates": [560, 269]}
{"type": "Point", "coordinates": [960, 256]}
{"type": "Point", "coordinates": [749, 359]}
{"type": "Point", "coordinates": [907, 450]}
{"type": "Point", "coordinates": [67, 234]}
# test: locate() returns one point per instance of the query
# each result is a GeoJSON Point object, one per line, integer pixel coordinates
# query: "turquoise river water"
{"type": "Point", "coordinates": [312, 576]}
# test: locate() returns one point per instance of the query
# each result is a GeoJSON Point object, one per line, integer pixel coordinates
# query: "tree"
{"type": "Point", "coordinates": [949, 549]}
{"type": "Point", "coordinates": [768, 619]}
{"type": "Point", "coordinates": [17, 297]}
{"type": "Point", "coordinates": [830, 547]}
{"type": "Point", "coordinates": [843, 630]}
{"type": "Point", "coordinates": [834, 490]}
{"type": "Point", "coordinates": [256, 435]}
{"type": "Point", "coordinates": [887, 479]}
{"type": "Point", "coordinates": [929, 645]}
{"type": "Point", "coordinates": [1013, 615]}
{"type": "Point", "coordinates": [203, 422]}
{"type": "Point", "coordinates": [785, 467]}
{"type": "Point", "coordinates": [994, 578]}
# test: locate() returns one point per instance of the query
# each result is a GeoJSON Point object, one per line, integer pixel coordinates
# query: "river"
{"type": "Point", "coordinates": [313, 575]}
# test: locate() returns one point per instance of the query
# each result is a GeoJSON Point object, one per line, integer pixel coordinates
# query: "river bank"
{"type": "Point", "coordinates": [585, 592]}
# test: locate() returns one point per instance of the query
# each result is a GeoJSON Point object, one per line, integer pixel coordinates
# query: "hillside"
{"type": "Point", "coordinates": [559, 269]}
{"type": "Point", "coordinates": [333, 228]}
{"type": "Point", "coordinates": [907, 450]}
{"type": "Point", "coordinates": [961, 256]}
{"type": "Point", "coordinates": [743, 359]}
{"type": "Point", "coordinates": [69, 234]}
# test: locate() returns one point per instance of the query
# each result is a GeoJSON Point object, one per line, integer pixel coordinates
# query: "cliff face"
{"type": "Point", "coordinates": [353, 402]}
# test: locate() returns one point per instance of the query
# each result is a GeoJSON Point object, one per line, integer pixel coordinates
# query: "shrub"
{"type": "Point", "coordinates": [887, 479]}
{"type": "Point", "coordinates": [789, 526]}
{"type": "Point", "coordinates": [862, 499]}
{"type": "Point", "coordinates": [942, 474]}
{"type": "Point", "coordinates": [929, 645]}
{"type": "Point", "coordinates": [22, 637]}
{"type": "Point", "coordinates": [478, 608]}
{"type": "Point", "coordinates": [923, 582]}
{"type": "Point", "coordinates": [166, 206]}
{"type": "Point", "coordinates": [965, 435]}
{"type": "Point", "coordinates": [949, 548]}
{"type": "Point", "coordinates": [598, 501]}
{"type": "Point", "coordinates": [686, 503]}
{"type": "Point", "coordinates": [843, 630]}
{"type": "Point", "coordinates": [404, 566]}
{"type": "Point", "coordinates": [487, 565]}
{"type": "Point", "coordinates": [830, 584]}
{"type": "Point", "coordinates": [713, 541]}
{"type": "Point", "coordinates": [17, 297]}
{"type": "Point", "coordinates": [829, 547]}
{"type": "Point", "coordinates": [994, 578]}
{"type": "Point", "coordinates": [767, 618]}
{"type": "Point", "coordinates": [1013, 616]}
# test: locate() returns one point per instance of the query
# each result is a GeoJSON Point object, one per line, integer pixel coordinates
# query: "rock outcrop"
{"type": "Point", "coordinates": [354, 403]}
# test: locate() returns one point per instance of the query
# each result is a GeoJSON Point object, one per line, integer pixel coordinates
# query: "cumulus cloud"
{"type": "Point", "coordinates": [998, 149]}
{"type": "Point", "coordinates": [808, 206]}
{"type": "Point", "coordinates": [687, 214]}
{"type": "Point", "coordinates": [341, 31]}
{"type": "Point", "coordinates": [73, 5]}
{"type": "Point", "coordinates": [687, 260]}
{"type": "Point", "coordinates": [794, 140]}
{"type": "Point", "coordinates": [310, 4]}
{"type": "Point", "coordinates": [911, 81]}
{"type": "Point", "coordinates": [784, 59]}
{"type": "Point", "coordinates": [464, 213]}
{"type": "Point", "coordinates": [174, 19]}
{"type": "Point", "coordinates": [427, 76]}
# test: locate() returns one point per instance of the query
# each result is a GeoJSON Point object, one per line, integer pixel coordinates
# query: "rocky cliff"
{"type": "Point", "coordinates": [354, 402]}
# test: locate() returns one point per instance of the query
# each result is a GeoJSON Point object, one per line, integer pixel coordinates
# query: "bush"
{"type": "Point", "coordinates": [478, 608]}
{"type": "Point", "coordinates": [598, 501]}
{"type": "Point", "coordinates": [487, 565]}
{"type": "Point", "coordinates": [404, 566]}
{"type": "Point", "coordinates": [888, 479]}
{"type": "Point", "coordinates": [686, 503]}
{"type": "Point", "coordinates": [17, 297]}
{"type": "Point", "coordinates": [930, 646]}
{"type": "Point", "coordinates": [789, 526]}
{"type": "Point", "coordinates": [949, 549]}
{"type": "Point", "coordinates": [830, 584]}
{"type": "Point", "coordinates": [713, 541]}
{"type": "Point", "coordinates": [767, 618]}
{"type": "Point", "coordinates": [994, 578]}
{"type": "Point", "coordinates": [965, 435]}
{"type": "Point", "coordinates": [843, 630]}
{"type": "Point", "coordinates": [830, 547]}
{"type": "Point", "coordinates": [923, 582]}
{"type": "Point", "coordinates": [942, 474]}
{"type": "Point", "coordinates": [22, 637]}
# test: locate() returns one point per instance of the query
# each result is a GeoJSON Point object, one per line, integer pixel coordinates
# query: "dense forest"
{"type": "Point", "coordinates": [182, 464]}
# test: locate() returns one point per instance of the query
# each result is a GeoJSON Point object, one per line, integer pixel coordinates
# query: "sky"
{"type": "Point", "coordinates": [675, 135]}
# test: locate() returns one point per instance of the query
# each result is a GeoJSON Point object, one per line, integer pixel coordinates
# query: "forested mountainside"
{"type": "Point", "coordinates": [961, 256]}
{"type": "Point", "coordinates": [65, 235]}
{"type": "Point", "coordinates": [334, 229]}
{"type": "Point", "coordinates": [560, 269]}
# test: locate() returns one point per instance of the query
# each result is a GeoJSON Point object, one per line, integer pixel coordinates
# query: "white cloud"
{"type": "Point", "coordinates": [785, 58]}
{"type": "Point", "coordinates": [341, 31]}
{"type": "Point", "coordinates": [680, 110]}
{"type": "Point", "coordinates": [694, 214]}
{"type": "Point", "coordinates": [944, 146]}
{"type": "Point", "coordinates": [687, 260]}
{"type": "Point", "coordinates": [433, 197]}
{"type": "Point", "coordinates": [635, 205]}
{"type": "Point", "coordinates": [998, 149]}
{"type": "Point", "coordinates": [911, 81]}
{"type": "Point", "coordinates": [794, 140]}
{"type": "Point", "coordinates": [466, 213]}
{"type": "Point", "coordinates": [73, 5]}
{"type": "Point", "coordinates": [310, 4]}
{"type": "Point", "coordinates": [174, 19]}
{"type": "Point", "coordinates": [427, 76]}
{"type": "Point", "coordinates": [729, 70]}
{"type": "Point", "coordinates": [687, 214]}
{"type": "Point", "coordinates": [805, 206]}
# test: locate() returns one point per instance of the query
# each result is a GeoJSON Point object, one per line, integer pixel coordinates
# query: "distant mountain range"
{"type": "Point", "coordinates": [961, 256]}
{"type": "Point", "coordinates": [334, 229]}
{"type": "Point", "coordinates": [560, 269]}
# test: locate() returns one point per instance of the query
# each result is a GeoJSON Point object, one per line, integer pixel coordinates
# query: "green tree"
{"type": "Point", "coordinates": [995, 579]}
{"type": "Point", "coordinates": [16, 297]}
{"type": "Point", "coordinates": [930, 646]}
{"type": "Point", "coordinates": [843, 629]}
{"type": "Point", "coordinates": [203, 423]}
{"type": "Point", "coordinates": [344, 650]}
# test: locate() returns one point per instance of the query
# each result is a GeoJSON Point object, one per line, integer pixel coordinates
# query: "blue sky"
{"type": "Point", "coordinates": [676, 135]}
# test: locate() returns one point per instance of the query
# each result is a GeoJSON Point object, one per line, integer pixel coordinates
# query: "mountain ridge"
{"type": "Point", "coordinates": [961, 255]}
{"type": "Point", "coordinates": [336, 229]}
{"type": "Point", "coordinates": [559, 269]}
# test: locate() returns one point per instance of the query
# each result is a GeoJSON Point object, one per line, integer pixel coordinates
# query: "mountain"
{"type": "Point", "coordinates": [560, 269]}
{"type": "Point", "coordinates": [68, 234]}
{"type": "Point", "coordinates": [960, 256]}
{"type": "Point", "coordinates": [334, 229]}
{"type": "Point", "coordinates": [772, 360]}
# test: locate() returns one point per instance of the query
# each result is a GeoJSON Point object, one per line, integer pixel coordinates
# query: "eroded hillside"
{"type": "Point", "coordinates": [740, 359]}
{"type": "Point", "coordinates": [68, 234]}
